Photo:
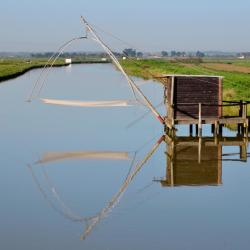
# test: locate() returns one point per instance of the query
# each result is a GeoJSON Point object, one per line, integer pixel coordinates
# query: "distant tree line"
{"type": "Point", "coordinates": [200, 54]}
{"type": "Point", "coordinates": [245, 54]}
{"type": "Point", "coordinates": [132, 53]}
{"type": "Point", "coordinates": [129, 52]}
{"type": "Point", "coordinates": [70, 54]}
{"type": "Point", "coordinates": [174, 53]}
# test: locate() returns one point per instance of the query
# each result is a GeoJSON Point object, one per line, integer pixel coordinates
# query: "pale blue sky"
{"type": "Point", "coordinates": [33, 25]}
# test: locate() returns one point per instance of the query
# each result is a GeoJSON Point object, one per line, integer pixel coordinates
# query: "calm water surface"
{"type": "Point", "coordinates": [62, 169]}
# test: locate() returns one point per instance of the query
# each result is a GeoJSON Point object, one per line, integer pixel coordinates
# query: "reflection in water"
{"type": "Point", "coordinates": [53, 157]}
{"type": "Point", "coordinates": [191, 161]}
{"type": "Point", "coordinates": [64, 211]}
{"type": "Point", "coordinates": [116, 198]}
{"type": "Point", "coordinates": [91, 222]}
{"type": "Point", "coordinates": [104, 155]}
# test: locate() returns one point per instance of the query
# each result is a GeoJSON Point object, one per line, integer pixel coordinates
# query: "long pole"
{"type": "Point", "coordinates": [117, 63]}
{"type": "Point", "coordinates": [116, 198]}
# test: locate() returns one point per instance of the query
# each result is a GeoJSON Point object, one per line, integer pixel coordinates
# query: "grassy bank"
{"type": "Point", "coordinates": [12, 68]}
{"type": "Point", "coordinates": [236, 72]}
{"type": "Point", "coordinates": [236, 84]}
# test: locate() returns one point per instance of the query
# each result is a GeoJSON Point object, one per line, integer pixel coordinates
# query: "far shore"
{"type": "Point", "coordinates": [13, 68]}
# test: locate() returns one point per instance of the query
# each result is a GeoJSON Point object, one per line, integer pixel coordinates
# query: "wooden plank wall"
{"type": "Point", "coordinates": [195, 90]}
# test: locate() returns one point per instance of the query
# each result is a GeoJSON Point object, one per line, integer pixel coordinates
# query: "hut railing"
{"type": "Point", "coordinates": [243, 107]}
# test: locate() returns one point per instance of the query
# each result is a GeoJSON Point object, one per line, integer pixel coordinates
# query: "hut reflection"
{"type": "Point", "coordinates": [190, 161]}
{"type": "Point", "coordinates": [193, 161]}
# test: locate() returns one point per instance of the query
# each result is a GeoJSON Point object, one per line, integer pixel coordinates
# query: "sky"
{"type": "Point", "coordinates": [155, 25]}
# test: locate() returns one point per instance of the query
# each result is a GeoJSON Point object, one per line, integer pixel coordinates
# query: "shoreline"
{"type": "Point", "coordinates": [145, 69]}
{"type": "Point", "coordinates": [26, 70]}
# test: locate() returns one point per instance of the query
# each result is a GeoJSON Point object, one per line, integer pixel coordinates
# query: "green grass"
{"type": "Point", "coordinates": [14, 67]}
{"type": "Point", "coordinates": [10, 67]}
{"type": "Point", "coordinates": [236, 85]}
{"type": "Point", "coordinates": [239, 62]}
{"type": "Point", "coordinates": [239, 83]}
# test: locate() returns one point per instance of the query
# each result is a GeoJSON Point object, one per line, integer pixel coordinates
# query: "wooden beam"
{"type": "Point", "coordinates": [200, 121]}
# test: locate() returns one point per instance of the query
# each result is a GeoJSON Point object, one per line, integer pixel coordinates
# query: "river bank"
{"type": "Point", "coordinates": [236, 82]}
{"type": "Point", "coordinates": [13, 68]}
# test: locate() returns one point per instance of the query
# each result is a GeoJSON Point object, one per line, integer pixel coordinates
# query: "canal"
{"type": "Point", "coordinates": [72, 178]}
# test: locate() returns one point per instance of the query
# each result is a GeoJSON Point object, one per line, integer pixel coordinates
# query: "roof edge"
{"type": "Point", "coordinates": [179, 75]}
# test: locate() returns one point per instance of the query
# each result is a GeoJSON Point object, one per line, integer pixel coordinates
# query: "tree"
{"type": "Point", "coordinates": [178, 54]}
{"type": "Point", "coordinates": [139, 54]}
{"type": "Point", "coordinates": [164, 53]}
{"type": "Point", "coordinates": [199, 54]}
{"type": "Point", "coordinates": [130, 52]}
{"type": "Point", "coordinates": [173, 53]}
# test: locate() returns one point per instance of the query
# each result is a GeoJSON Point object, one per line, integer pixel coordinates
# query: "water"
{"type": "Point", "coordinates": [176, 201]}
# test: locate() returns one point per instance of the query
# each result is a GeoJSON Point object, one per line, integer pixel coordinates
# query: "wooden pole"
{"type": "Point", "coordinates": [135, 89]}
{"type": "Point", "coordinates": [196, 130]}
{"type": "Point", "coordinates": [212, 128]}
{"type": "Point", "coordinates": [172, 102]}
{"type": "Point", "coordinates": [200, 122]}
{"type": "Point", "coordinates": [216, 128]}
{"type": "Point", "coordinates": [199, 150]}
{"type": "Point", "coordinates": [243, 152]}
{"type": "Point", "coordinates": [247, 121]}
{"type": "Point", "coordinates": [241, 108]}
{"type": "Point", "coordinates": [220, 129]}
{"type": "Point", "coordinates": [244, 116]}
{"type": "Point", "coordinates": [239, 129]}
{"type": "Point", "coordinates": [219, 165]}
{"type": "Point", "coordinates": [244, 113]}
{"type": "Point", "coordinates": [191, 130]}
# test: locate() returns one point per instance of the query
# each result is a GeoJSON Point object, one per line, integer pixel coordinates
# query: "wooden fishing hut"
{"type": "Point", "coordinates": [197, 100]}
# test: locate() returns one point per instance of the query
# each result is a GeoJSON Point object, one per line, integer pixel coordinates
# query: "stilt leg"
{"type": "Point", "coordinates": [191, 130]}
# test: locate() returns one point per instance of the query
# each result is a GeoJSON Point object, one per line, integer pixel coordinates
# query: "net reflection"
{"type": "Point", "coordinates": [190, 161]}
{"type": "Point", "coordinates": [90, 222]}
{"type": "Point", "coordinates": [95, 155]}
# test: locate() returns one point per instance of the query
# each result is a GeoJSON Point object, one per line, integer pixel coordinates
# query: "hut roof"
{"type": "Point", "coordinates": [179, 75]}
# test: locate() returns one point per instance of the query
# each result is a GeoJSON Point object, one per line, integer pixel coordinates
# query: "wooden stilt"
{"type": "Point", "coordinates": [220, 129]}
{"type": "Point", "coordinates": [200, 122]}
{"type": "Point", "coordinates": [245, 131]}
{"type": "Point", "coordinates": [199, 148]}
{"type": "Point", "coordinates": [216, 129]}
{"type": "Point", "coordinates": [196, 130]}
{"type": "Point", "coordinates": [212, 128]}
{"type": "Point", "coordinates": [191, 130]}
{"type": "Point", "coordinates": [243, 153]}
{"type": "Point", "coordinates": [239, 129]}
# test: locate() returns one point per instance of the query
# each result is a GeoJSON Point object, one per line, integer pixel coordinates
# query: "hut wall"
{"type": "Point", "coordinates": [186, 92]}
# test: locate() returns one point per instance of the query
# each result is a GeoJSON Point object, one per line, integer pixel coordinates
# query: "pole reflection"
{"type": "Point", "coordinates": [190, 161]}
